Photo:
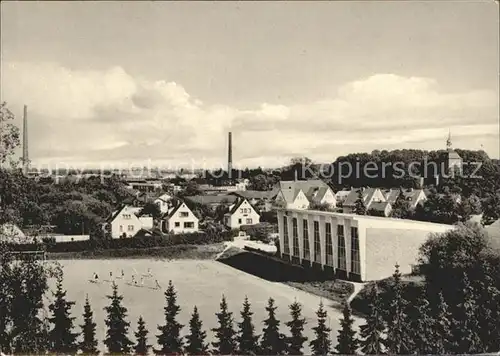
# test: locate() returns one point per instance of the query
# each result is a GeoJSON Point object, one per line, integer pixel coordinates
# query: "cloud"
{"type": "Point", "coordinates": [109, 115]}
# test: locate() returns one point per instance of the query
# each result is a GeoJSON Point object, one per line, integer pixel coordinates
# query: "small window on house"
{"type": "Point", "coordinates": [177, 224]}
{"type": "Point", "coordinates": [239, 221]}
{"type": "Point", "coordinates": [189, 224]}
{"type": "Point", "coordinates": [121, 228]}
{"type": "Point", "coordinates": [131, 228]}
{"type": "Point", "coordinates": [249, 221]}
{"type": "Point", "coordinates": [184, 214]}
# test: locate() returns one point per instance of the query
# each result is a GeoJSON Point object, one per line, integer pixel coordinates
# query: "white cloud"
{"type": "Point", "coordinates": [107, 115]}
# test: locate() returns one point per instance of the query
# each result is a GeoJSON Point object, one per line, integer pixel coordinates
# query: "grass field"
{"type": "Point", "coordinates": [198, 282]}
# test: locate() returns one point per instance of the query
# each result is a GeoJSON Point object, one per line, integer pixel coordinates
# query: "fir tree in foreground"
{"type": "Point", "coordinates": [399, 340]}
{"type": "Point", "coordinates": [347, 343]}
{"type": "Point", "coordinates": [489, 310]}
{"type": "Point", "coordinates": [321, 345]}
{"type": "Point", "coordinates": [247, 340]}
{"type": "Point", "coordinates": [225, 343]}
{"type": "Point", "coordinates": [169, 338]}
{"type": "Point", "coordinates": [117, 340]}
{"type": "Point", "coordinates": [466, 328]}
{"type": "Point", "coordinates": [295, 342]}
{"type": "Point", "coordinates": [425, 340]}
{"type": "Point", "coordinates": [372, 341]}
{"type": "Point", "coordinates": [442, 327]}
{"type": "Point", "coordinates": [195, 340]}
{"type": "Point", "coordinates": [61, 337]}
{"type": "Point", "coordinates": [141, 335]}
{"type": "Point", "coordinates": [89, 343]}
{"type": "Point", "coordinates": [273, 342]}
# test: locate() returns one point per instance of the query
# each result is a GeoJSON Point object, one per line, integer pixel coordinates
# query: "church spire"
{"type": "Point", "coordinates": [448, 141]}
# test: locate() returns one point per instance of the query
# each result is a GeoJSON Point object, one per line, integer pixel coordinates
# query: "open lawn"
{"type": "Point", "coordinates": [198, 282]}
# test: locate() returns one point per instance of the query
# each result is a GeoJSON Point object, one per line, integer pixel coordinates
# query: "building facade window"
{"type": "Point", "coordinates": [329, 244]}
{"type": "Point", "coordinates": [184, 214]}
{"type": "Point", "coordinates": [286, 245]}
{"type": "Point", "coordinates": [355, 259]}
{"type": "Point", "coordinates": [249, 221]}
{"type": "Point", "coordinates": [317, 243]}
{"type": "Point", "coordinates": [295, 238]}
{"type": "Point", "coordinates": [121, 228]}
{"type": "Point", "coordinates": [130, 228]}
{"type": "Point", "coordinates": [189, 224]}
{"type": "Point", "coordinates": [341, 257]}
{"type": "Point", "coordinates": [307, 249]}
{"type": "Point", "coordinates": [177, 224]}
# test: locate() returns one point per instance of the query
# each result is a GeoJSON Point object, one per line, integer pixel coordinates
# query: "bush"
{"type": "Point", "coordinates": [129, 243]}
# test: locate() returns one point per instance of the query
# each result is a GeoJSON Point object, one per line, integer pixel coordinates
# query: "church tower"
{"type": "Point", "coordinates": [453, 161]}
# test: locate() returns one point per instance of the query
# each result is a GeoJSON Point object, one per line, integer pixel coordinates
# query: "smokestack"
{"type": "Point", "coordinates": [25, 142]}
{"type": "Point", "coordinates": [229, 155]}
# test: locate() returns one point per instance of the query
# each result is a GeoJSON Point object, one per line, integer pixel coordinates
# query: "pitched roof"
{"type": "Point", "coordinates": [313, 189]}
{"type": "Point", "coordinates": [211, 199]}
{"type": "Point", "coordinates": [392, 195]}
{"type": "Point", "coordinates": [379, 205]}
{"type": "Point", "coordinates": [236, 206]}
{"type": "Point", "coordinates": [256, 194]}
{"type": "Point", "coordinates": [353, 196]}
{"type": "Point", "coordinates": [134, 210]}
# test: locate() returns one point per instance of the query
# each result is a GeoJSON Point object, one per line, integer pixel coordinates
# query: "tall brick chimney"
{"type": "Point", "coordinates": [26, 160]}
{"type": "Point", "coordinates": [229, 155]}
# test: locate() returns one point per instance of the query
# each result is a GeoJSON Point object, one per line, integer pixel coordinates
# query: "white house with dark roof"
{"type": "Point", "coordinates": [241, 213]}
{"type": "Point", "coordinates": [125, 222]}
{"type": "Point", "coordinates": [300, 194]}
{"type": "Point", "coordinates": [370, 196]}
{"type": "Point", "coordinates": [412, 196]}
{"type": "Point", "coordinates": [163, 202]}
{"type": "Point", "coordinates": [180, 220]}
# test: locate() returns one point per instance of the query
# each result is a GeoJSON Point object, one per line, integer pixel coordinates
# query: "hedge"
{"type": "Point", "coordinates": [127, 243]}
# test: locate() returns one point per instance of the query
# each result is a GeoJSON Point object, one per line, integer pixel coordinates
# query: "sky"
{"type": "Point", "coordinates": [161, 83]}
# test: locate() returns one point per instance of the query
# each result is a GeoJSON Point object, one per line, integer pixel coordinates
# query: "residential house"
{"type": "Point", "coordinates": [212, 201]}
{"type": "Point", "coordinates": [261, 200]}
{"type": "Point", "coordinates": [413, 196]}
{"type": "Point", "coordinates": [241, 213]}
{"type": "Point", "coordinates": [180, 219]}
{"type": "Point", "coordinates": [125, 222]}
{"type": "Point", "coordinates": [300, 194]}
{"type": "Point", "coordinates": [370, 195]}
{"type": "Point", "coordinates": [341, 196]}
{"type": "Point", "coordinates": [163, 202]}
{"type": "Point", "coordinates": [380, 208]}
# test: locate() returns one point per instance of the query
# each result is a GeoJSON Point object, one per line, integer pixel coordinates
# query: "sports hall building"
{"type": "Point", "coordinates": [349, 246]}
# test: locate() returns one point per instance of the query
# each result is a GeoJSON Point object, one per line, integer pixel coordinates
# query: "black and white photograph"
{"type": "Point", "coordinates": [250, 177]}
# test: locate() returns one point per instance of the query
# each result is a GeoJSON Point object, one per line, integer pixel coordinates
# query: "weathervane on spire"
{"type": "Point", "coordinates": [448, 141]}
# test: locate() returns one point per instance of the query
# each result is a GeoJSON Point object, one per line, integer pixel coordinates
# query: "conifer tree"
{"type": "Point", "coordinates": [89, 343]}
{"type": "Point", "coordinates": [141, 335]}
{"type": "Point", "coordinates": [169, 338]}
{"type": "Point", "coordinates": [295, 342]}
{"type": "Point", "coordinates": [442, 327]}
{"type": "Point", "coordinates": [423, 327]}
{"type": "Point", "coordinates": [247, 340]}
{"type": "Point", "coordinates": [273, 342]}
{"type": "Point", "coordinates": [117, 340]}
{"type": "Point", "coordinates": [399, 340]}
{"type": "Point", "coordinates": [61, 337]}
{"type": "Point", "coordinates": [372, 341]}
{"type": "Point", "coordinates": [489, 310]}
{"type": "Point", "coordinates": [466, 327]}
{"type": "Point", "coordinates": [359, 205]}
{"type": "Point", "coordinates": [225, 335]}
{"type": "Point", "coordinates": [195, 341]}
{"type": "Point", "coordinates": [347, 343]}
{"type": "Point", "coordinates": [321, 345]}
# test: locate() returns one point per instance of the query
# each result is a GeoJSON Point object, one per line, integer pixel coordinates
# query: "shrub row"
{"type": "Point", "coordinates": [128, 243]}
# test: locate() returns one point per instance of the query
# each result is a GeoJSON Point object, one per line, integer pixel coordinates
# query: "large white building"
{"type": "Point", "coordinates": [348, 246]}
